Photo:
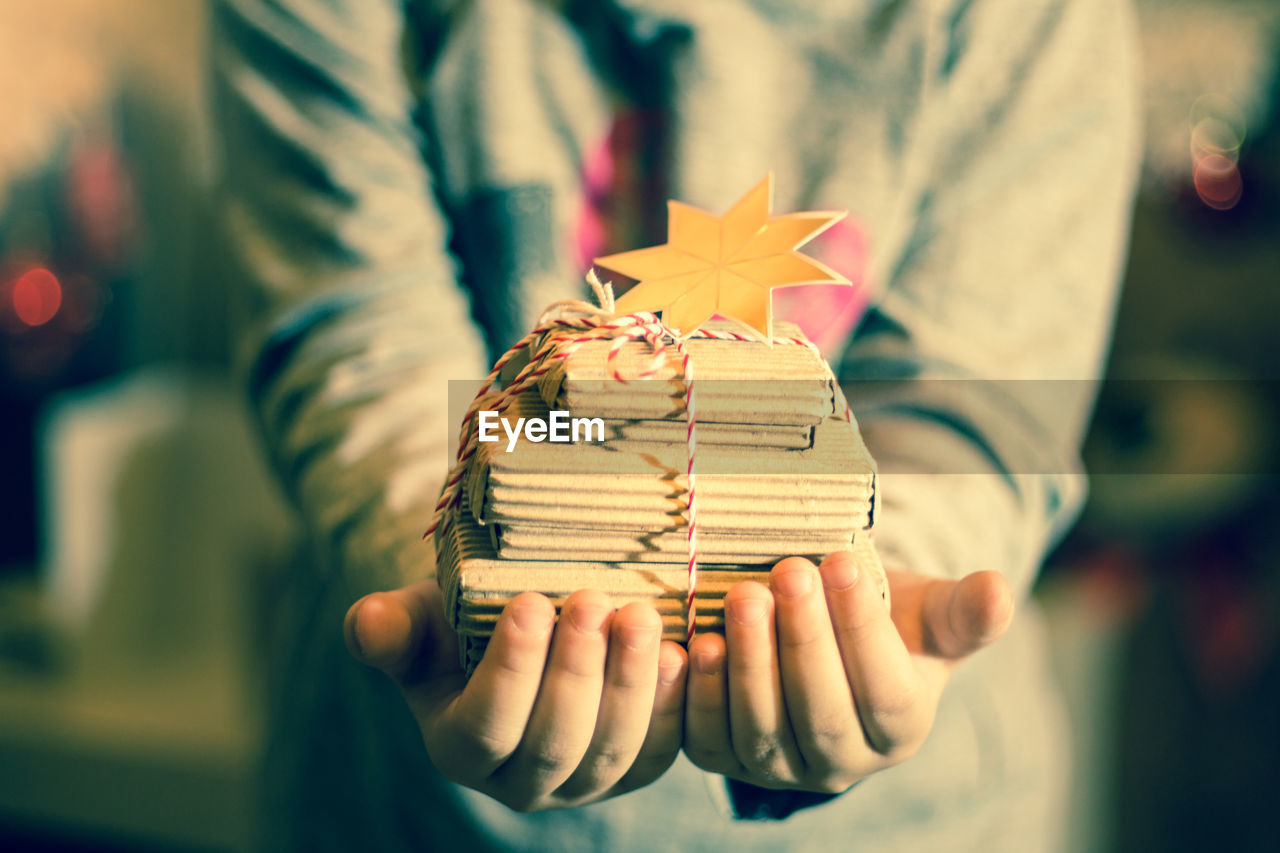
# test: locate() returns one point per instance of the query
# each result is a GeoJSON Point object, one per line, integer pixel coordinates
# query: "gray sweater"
{"type": "Point", "coordinates": [407, 184]}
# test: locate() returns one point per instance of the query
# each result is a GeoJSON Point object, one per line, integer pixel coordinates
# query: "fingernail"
{"type": "Point", "coordinates": [669, 674]}
{"type": "Point", "coordinates": [588, 618]}
{"type": "Point", "coordinates": [793, 583]}
{"type": "Point", "coordinates": [640, 637]}
{"type": "Point", "coordinates": [709, 661]}
{"type": "Point", "coordinates": [531, 618]}
{"type": "Point", "coordinates": [746, 611]}
{"type": "Point", "coordinates": [840, 571]}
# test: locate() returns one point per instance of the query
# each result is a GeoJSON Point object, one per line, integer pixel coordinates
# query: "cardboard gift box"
{"type": "Point", "coordinates": [781, 470]}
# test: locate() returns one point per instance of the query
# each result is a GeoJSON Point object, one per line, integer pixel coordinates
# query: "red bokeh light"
{"type": "Point", "coordinates": [36, 296]}
{"type": "Point", "coordinates": [1217, 181]}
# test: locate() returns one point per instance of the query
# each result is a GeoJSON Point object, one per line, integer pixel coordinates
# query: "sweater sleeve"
{"type": "Point", "coordinates": [352, 318]}
{"type": "Point", "coordinates": [973, 375]}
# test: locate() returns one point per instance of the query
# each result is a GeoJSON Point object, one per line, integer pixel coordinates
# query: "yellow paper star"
{"type": "Point", "coordinates": [724, 265]}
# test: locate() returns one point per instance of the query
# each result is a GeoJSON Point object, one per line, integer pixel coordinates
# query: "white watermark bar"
{"type": "Point", "coordinates": [1153, 425]}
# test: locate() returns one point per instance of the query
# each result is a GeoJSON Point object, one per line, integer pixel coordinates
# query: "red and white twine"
{"type": "Point", "coordinates": [562, 329]}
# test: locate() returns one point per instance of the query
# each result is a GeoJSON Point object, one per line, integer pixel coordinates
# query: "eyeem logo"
{"type": "Point", "coordinates": [558, 428]}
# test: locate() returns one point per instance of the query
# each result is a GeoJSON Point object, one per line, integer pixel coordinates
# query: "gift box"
{"type": "Point", "coordinates": [612, 514]}
{"type": "Point", "coordinates": [656, 463]}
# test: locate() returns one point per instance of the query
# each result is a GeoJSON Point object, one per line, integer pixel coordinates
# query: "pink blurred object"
{"type": "Point", "coordinates": [829, 314]}
{"type": "Point", "coordinates": [100, 197]}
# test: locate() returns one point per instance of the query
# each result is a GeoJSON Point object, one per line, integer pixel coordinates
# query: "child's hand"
{"type": "Point", "coordinates": [815, 685]}
{"type": "Point", "coordinates": [556, 714]}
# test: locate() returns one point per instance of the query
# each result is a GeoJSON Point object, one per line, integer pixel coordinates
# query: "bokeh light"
{"type": "Point", "coordinates": [1214, 136]}
{"type": "Point", "coordinates": [1218, 182]}
{"type": "Point", "coordinates": [36, 296]}
{"type": "Point", "coordinates": [1218, 129]}
{"type": "Point", "coordinates": [1222, 109]}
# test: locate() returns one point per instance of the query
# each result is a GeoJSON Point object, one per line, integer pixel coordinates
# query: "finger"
{"type": "Point", "coordinates": [630, 681]}
{"type": "Point", "coordinates": [892, 701]}
{"type": "Point", "coordinates": [818, 697]}
{"type": "Point", "coordinates": [387, 630]}
{"type": "Point", "coordinates": [706, 716]}
{"type": "Point", "coordinates": [962, 616]}
{"type": "Point", "coordinates": [758, 723]}
{"type": "Point", "coordinates": [405, 634]}
{"type": "Point", "coordinates": [481, 728]}
{"type": "Point", "coordinates": [568, 703]}
{"type": "Point", "coordinates": [666, 724]}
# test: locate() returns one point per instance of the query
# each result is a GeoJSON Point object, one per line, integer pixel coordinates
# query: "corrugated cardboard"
{"type": "Point", "coordinates": [534, 543]}
{"type": "Point", "coordinates": [779, 473]}
{"type": "Point", "coordinates": [477, 584]}
{"type": "Point", "coordinates": [735, 381]}
{"type": "Point", "coordinates": [825, 489]}
{"type": "Point", "coordinates": [672, 431]}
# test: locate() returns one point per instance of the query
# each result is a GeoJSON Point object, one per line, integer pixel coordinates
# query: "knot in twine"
{"type": "Point", "coordinates": [563, 328]}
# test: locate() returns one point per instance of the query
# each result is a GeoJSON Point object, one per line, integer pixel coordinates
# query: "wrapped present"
{"type": "Point", "coordinates": [660, 459]}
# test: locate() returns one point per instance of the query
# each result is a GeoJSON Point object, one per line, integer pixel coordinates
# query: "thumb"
{"type": "Point", "coordinates": [960, 617]}
{"type": "Point", "coordinates": [402, 632]}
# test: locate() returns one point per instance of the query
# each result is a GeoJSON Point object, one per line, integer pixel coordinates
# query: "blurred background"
{"type": "Point", "coordinates": [143, 539]}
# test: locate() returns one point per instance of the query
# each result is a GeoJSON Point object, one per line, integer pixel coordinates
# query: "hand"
{"type": "Point", "coordinates": [557, 713]}
{"type": "Point", "coordinates": [815, 685]}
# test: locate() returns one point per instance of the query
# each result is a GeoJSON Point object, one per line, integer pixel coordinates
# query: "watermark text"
{"type": "Point", "coordinates": [559, 427]}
